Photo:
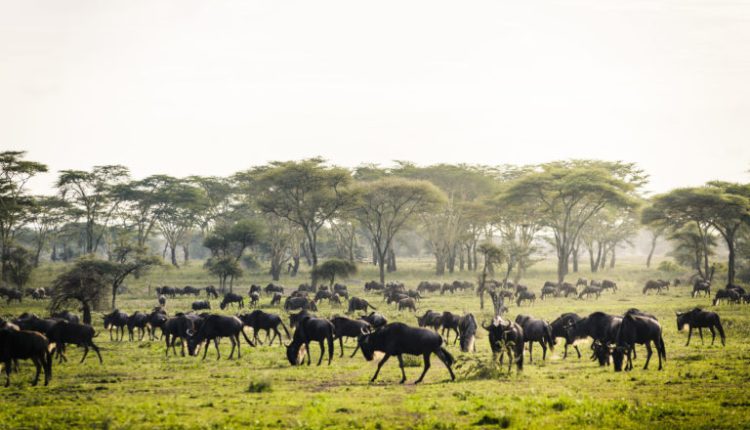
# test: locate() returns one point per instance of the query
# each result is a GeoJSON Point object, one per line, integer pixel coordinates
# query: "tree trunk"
{"type": "Point", "coordinates": [439, 264]}
{"type": "Point", "coordinates": [186, 253]}
{"type": "Point", "coordinates": [391, 260]}
{"type": "Point", "coordinates": [612, 261]}
{"type": "Point", "coordinates": [86, 313]}
{"type": "Point", "coordinates": [461, 262]}
{"type": "Point", "coordinates": [295, 266]}
{"type": "Point", "coordinates": [452, 259]}
{"type": "Point", "coordinates": [562, 266]}
{"type": "Point", "coordinates": [575, 260]}
{"type": "Point", "coordinates": [730, 262]}
{"type": "Point", "coordinates": [173, 254]}
{"type": "Point", "coordinates": [592, 262]}
{"type": "Point", "coordinates": [381, 267]}
{"type": "Point", "coordinates": [651, 251]}
{"type": "Point", "coordinates": [114, 296]}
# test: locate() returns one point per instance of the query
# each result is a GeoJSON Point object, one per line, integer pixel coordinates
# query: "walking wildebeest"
{"type": "Point", "coordinates": [506, 338]}
{"type": "Point", "coordinates": [215, 327]}
{"type": "Point", "coordinates": [211, 292]}
{"type": "Point", "coordinates": [357, 304]}
{"type": "Point", "coordinates": [65, 332]}
{"type": "Point", "coordinates": [536, 330]}
{"type": "Point", "coordinates": [272, 288]}
{"type": "Point", "coordinates": [730, 296]}
{"type": "Point", "coordinates": [308, 330]}
{"type": "Point", "coordinates": [567, 289]}
{"type": "Point", "coordinates": [346, 327]}
{"type": "Point", "coordinates": [582, 281]}
{"type": "Point", "coordinates": [137, 320]}
{"type": "Point", "coordinates": [549, 290]}
{"type": "Point", "coordinates": [25, 345]}
{"type": "Point", "coordinates": [637, 329]}
{"type": "Point", "coordinates": [116, 320]}
{"type": "Point", "coordinates": [260, 320]}
{"type": "Point", "coordinates": [700, 319]}
{"type": "Point", "coordinates": [448, 322]}
{"type": "Point", "coordinates": [654, 285]}
{"type": "Point", "coordinates": [407, 303]}
{"type": "Point", "coordinates": [525, 295]}
{"type": "Point", "coordinates": [398, 339]}
{"type": "Point", "coordinates": [166, 291]}
{"type": "Point", "coordinates": [430, 319]}
{"type": "Point", "coordinates": [375, 319]}
{"type": "Point", "coordinates": [276, 299]}
{"type": "Point", "coordinates": [322, 295]}
{"type": "Point", "coordinates": [561, 328]}
{"type": "Point", "coordinates": [608, 285]}
{"type": "Point", "coordinates": [230, 298]}
{"type": "Point", "coordinates": [701, 286]}
{"type": "Point", "coordinates": [254, 299]}
{"type": "Point", "coordinates": [467, 330]}
{"type": "Point", "coordinates": [191, 290]}
{"type": "Point", "coordinates": [294, 303]}
{"type": "Point", "coordinates": [589, 291]}
{"type": "Point", "coordinates": [200, 305]}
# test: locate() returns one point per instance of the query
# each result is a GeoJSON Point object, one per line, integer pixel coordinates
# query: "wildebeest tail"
{"type": "Point", "coordinates": [662, 349]}
{"type": "Point", "coordinates": [721, 331]}
{"type": "Point", "coordinates": [449, 360]}
{"type": "Point", "coordinates": [249, 342]}
{"type": "Point", "coordinates": [373, 307]}
{"type": "Point", "coordinates": [48, 364]}
{"type": "Point", "coordinates": [550, 339]}
{"type": "Point", "coordinates": [96, 333]}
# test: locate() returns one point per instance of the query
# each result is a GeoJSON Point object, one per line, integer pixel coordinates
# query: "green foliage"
{"type": "Point", "coordinates": [331, 269]}
{"type": "Point", "coordinates": [19, 263]}
{"type": "Point", "coordinates": [668, 267]}
{"type": "Point", "coordinates": [259, 387]}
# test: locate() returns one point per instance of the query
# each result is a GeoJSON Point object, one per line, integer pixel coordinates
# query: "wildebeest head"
{"type": "Point", "coordinates": [600, 353]}
{"type": "Point", "coordinates": [365, 344]}
{"type": "Point", "coordinates": [618, 356]}
{"type": "Point", "coordinates": [295, 352]}
{"type": "Point", "coordinates": [682, 320]}
{"type": "Point", "coordinates": [193, 341]}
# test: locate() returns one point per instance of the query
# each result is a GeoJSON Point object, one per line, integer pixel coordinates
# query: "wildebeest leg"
{"type": "Point", "coordinates": [690, 333]}
{"type": "Point", "coordinates": [96, 350]}
{"type": "Point", "coordinates": [38, 366]}
{"type": "Point", "coordinates": [276, 334]}
{"type": "Point", "coordinates": [235, 341]}
{"type": "Point", "coordinates": [531, 344]}
{"type": "Point", "coordinates": [401, 365]}
{"type": "Point", "coordinates": [216, 344]}
{"type": "Point", "coordinates": [85, 353]}
{"type": "Point", "coordinates": [7, 372]}
{"type": "Point", "coordinates": [713, 334]}
{"type": "Point", "coordinates": [341, 343]}
{"type": "Point", "coordinates": [307, 351]}
{"type": "Point", "coordinates": [355, 351]}
{"type": "Point", "coordinates": [426, 357]}
{"type": "Point", "coordinates": [700, 331]}
{"type": "Point", "coordinates": [544, 350]}
{"type": "Point", "coordinates": [380, 364]}
{"type": "Point", "coordinates": [648, 355]}
{"type": "Point", "coordinates": [565, 353]}
{"type": "Point", "coordinates": [456, 339]}
{"type": "Point", "coordinates": [578, 351]}
{"type": "Point", "coordinates": [322, 351]}
{"type": "Point", "coordinates": [110, 333]}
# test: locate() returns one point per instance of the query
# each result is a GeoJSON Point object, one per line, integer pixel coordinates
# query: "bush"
{"type": "Point", "coordinates": [668, 266]}
{"type": "Point", "coordinates": [259, 387]}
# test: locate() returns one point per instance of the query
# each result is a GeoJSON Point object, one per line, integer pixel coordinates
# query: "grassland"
{"type": "Point", "coordinates": [702, 386]}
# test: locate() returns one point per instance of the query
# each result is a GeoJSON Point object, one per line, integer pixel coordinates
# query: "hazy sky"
{"type": "Point", "coordinates": [212, 87]}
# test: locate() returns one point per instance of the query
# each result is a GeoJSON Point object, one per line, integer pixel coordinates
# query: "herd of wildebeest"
{"type": "Point", "coordinates": [614, 337]}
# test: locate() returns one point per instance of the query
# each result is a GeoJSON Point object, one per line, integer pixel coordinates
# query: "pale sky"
{"type": "Point", "coordinates": [213, 87]}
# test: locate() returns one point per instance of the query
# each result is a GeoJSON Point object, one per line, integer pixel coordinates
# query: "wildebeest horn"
{"type": "Point", "coordinates": [364, 332]}
{"type": "Point", "coordinates": [506, 325]}
{"type": "Point", "coordinates": [485, 326]}
{"type": "Point", "coordinates": [190, 332]}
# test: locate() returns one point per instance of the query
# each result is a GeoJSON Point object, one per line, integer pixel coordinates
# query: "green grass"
{"type": "Point", "coordinates": [702, 386]}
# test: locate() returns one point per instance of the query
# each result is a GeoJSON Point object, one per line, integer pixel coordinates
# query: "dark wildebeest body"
{"type": "Point", "coordinates": [67, 316]}
{"type": "Point", "coordinates": [272, 288]}
{"type": "Point", "coordinates": [254, 299]}
{"type": "Point", "coordinates": [407, 303]}
{"type": "Point", "coordinates": [637, 329]}
{"type": "Point", "coordinates": [730, 296]}
{"type": "Point", "coordinates": [525, 295]}
{"type": "Point", "coordinates": [549, 290]}
{"type": "Point", "coordinates": [582, 281]}
{"type": "Point", "coordinates": [294, 303]}
{"type": "Point", "coordinates": [177, 328]}
{"type": "Point", "coordinates": [166, 291]}
{"type": "Point", "coordinates": [25, 345]}
{"type": "Point", "coordinates": [346, 327]}
{"type": "Point", "coordinates": [215, 327]}
{"type": "Point", "coordinates": [162, 300]}
{"type": "Point", "coordinates": [398, 339]}
{"type": "Point", "coordinates": [602, 328]}
{"type": "Point", "coordinates": [430, 319]}
{"type": "Point", "coordinates": [358, 304]}
{"type": "Point", "coordinates": [211, 292]}
{"type": "Point", "coordinates": [567, 289]}
{"type": "Point", "coordinates": [448, 322]}
{"type": "Point", "coordinates": [230, 298]}
{"type": "Point", "coordinates": [506, 337]}
{"type": "Point", "coordinates": [322, 295]}
{"type": "Point", "coordinates": [156, 318]}
{"type": "Point", "coordinates": [467, 330]}
{"type": "Point", "coordinates": [200, 305]}
{"type": "Point", "coordinates": [701, 287]}
{"type": "Point", "coordinates": [311, 330]}
{"type": "Point", "coordinates": [260, 320]}
{"type": "Point", "coordinates": [654, 285]}
{"type": "Point", "coordinates": [608, 285]}
{"type": "Point", "coordinates": [335, 300]}
{"type": "Point", "coordinates": [561, 328]}
{"type": "Point", "coordinates": [700, 319]}
{"type": "Point", "coordinates": [276, 299]}
{"type": "Point", "coordinates": [116, 320]}
{"type": "Point", "coordinates": [65, 332]}
{"type": "Point", "coordinates": [375, 319]}
{"type": "Point", "coordinates": [294, 319]}
{"type": "Point", "coordinates": [536, 330]}
{"type": "Point", "coordinates": [137, 320]}
{"type": "Point", "coordinates": [191, 290]}
{"type": "Point", "coordinates": [33, 323]}
{"type": "Point", "coordinates": [589, 291]}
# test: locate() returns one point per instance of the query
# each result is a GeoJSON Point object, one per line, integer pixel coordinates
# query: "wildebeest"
{"type": "Point", "coordinates": [527, 296]}
{"type": "Point", "coordinates": [308, 330]}
{"type": "Point", "coordinates": [407, 303]}
{"type": "Point", "coordinates": [346, 327]}
{"type": "Point", "coordinates": [736, 288]}
{"type": "Point", "coordinates": [448, 322]}
{"type": "Point", "coordinates": [259, 320]}
{"type": "Point", "coordinates": [273, 288]}
{"type": "Point", "coordinates": [137, 320]}
{"type": "Point", "coordinates": [166, 291]}
{"type": "Point", "coordinates": [200, 305]}
{"type": "Point", "coordinates": [467, 330]}
{"type": "Point", "coordinates": [582, 281]}
{"type": "Point", "coordinates": [536, 330]}
{"type": "Point", "coordinates": [589, 291]}
{"type": "Point", "coordinates": [177, 328]}
{"type": "Point", "coordinates": [25, 345]}
{"type": "Point", "coordinates": [506, 337]}
{"type": "Point", "coordinates": [398, 339]}
{"type": "Point", "coordinates": [567, 289]}
{"type": "Point", "coordinates": [215, 327]}
{"type": "Point", "coordinates": [230, 298]}
{"type": "Point", "coordinates": [66, 315]}
{"type": "Point", "coordinates": [701, 286]}
{"type": "Point", "coordinates": [729, 295]}
{"type": "Point", "coordinates": [157, 318]}
{"type": "Point", "coordinates": [430, 319]}
{"type": "Point", "coordinates": [335, 300]}
{"type": "Point", "coordinates": [608, 285]}
{"type": "Point", "coordinates": [191, 290]}
{"type": "Point", "coordinates": [637, 329]}
{"type": "Point", "coordinates": [13, 295]}
{"type": "Point", "coordinates": [602, 328]}
{"type": "Point", "coordinates": [700, 319]}
{"type": "Point", "coordinates": [561, 328]}
{"type": "Point", "coordinates": [654, 285]}
{"type": "Point", "coordinates": [549, 290]}
{"type": "Point", "coordinates": [162, 300]}
{"type": "Point", "coordinates": [357, 304]}
{"type": "Point", "coordinates": [116, 320]}
{"type": "Point", "coordinates": [276, 299]}
{"type": "Point", "coordinates": [427, 286]}
{"type": "Point", "coordinates": [65, 332]}
{"type": "Point", "coordinates": [322, 295]}
{"type": "Point", "coordinates": [375, 319]}
{"type": "Point", "coordinates": [254, 299]}
{"type": "Point", "coordinates": [294, 303]}
{"type": "Point", "coordinates": [211, 292]}
{"type": "Point", "coordinates": [254, 289]}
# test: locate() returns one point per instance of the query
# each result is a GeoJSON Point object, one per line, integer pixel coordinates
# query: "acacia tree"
{"type": "Point", "coordinates": [656, 231]}
{"type": "Point", "coordinates": [15, 204]}
{"type": "Point", "coordinates": [227, 244]}
{"type": "Point", "coordinates": [179, 204]}
{"type": "Point", "coordinates": [721, 206]}
{"type": "Point", "coordinates": [82, 284]}
{"type": "Point", "coordinates": [492, 256]}
{"type": "Point", "coordinates": [569, 194]}
{"type": "Point", "coordinates": [126, 260]}
{"type": "Point", "coordinates": [46, 217]}
{"type": "Point", "coordinates": [330, 269]}
{"type": "Point", "coordinates": [692, 247]}
{"type": "Point", "coordinates": [93, 196]}
{"type": "Point", "coordinates": [385, 205]}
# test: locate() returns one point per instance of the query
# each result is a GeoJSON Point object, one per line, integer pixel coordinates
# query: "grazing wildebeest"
{"type": "Point", "coordinates": [582, 281]}
{"type": "Point", "coordinates": [637, 329]}
{"type": "Point", "coordinates": [653, 285]}
{"type": "Point", "coordinates": [66, 315]}
{"type": "Point", "coordinates": [335, 300]}
{"type": "Point", "coordinates": [467, 330]}
{"type": "Point", "coordinates": [157, 318]}
{"type": "Point", "coordinates": [357, 304]}
{"type": "Point", "coordinates": [730, 296]}
{"type": "Point", "coordinates": [426, 286]}
{"type": "Point", "coordinates": [346, 327]}
{"type": "Point", "coordinates": [25, 345]}
{"type": "Point", "coordinates": [602, 328]}
{"type": "Point", "coordinates": [213, 328]}
{"type": "Point", "coordinates": [407, 303]}
{"type": "Point", "coordinates": [254, 299]}
{"type": "Point", "coordinates": [609, 285]}
{"type": "Point", "coordinates": [736, 288]}
{"type": "Point", "coordinates": [506, 337]}
{"type": "Point", "coordinates": [276, 299]}
{"type": "Point", "coordinates": [137, 320]}
{"type": "Point", "coordinates": [294, 303]}
{"type": "Point", "coordinates": [191, 290]}
{"type": "Point", "coordinates": [162, 299]}
{"type": "Point", "coordinates": [448, 322]}
{"type": "Point", "coordinates": [700, 319]}
{"type": "Point", "coordinates": [430, 319]}
{"type": "Point", "coordinates": [536, 330]}
{"type": "Point", "coordinates": [310, 329]}
{"type": "Point", "coordinates": [116, 320]}
{"type": "Point", "coordinates": [394, 297]}
{"type": "Point", "coordinates": [230, 298]}
{"type": "Point", "coordinates": [589, 291]}
{"type": "Point", "coordinates": [273, 288]}
{"type": "Point", "coordinates": [14, 295]}
{"type": "Point", "coordinates": [375, 319]}
{"type": "Point", "coordinates": [200, 305]}
{"type": "Point", "coordinates": [65, 332]}
{"type": "Point", "coordinates": [414, 294]}
{"type": "Point", "coordinates": [549, 290]}
{"type": "Point", "coordinates": [567, 289]}
{"type": "Point", "coordinates": [259, 320]}
{"type": "Point", "coordinates": [561, 328]}
{"type": "Point", "coordinates": [527, 296]}
{"type": "Point", "coordinates": [255, 289]}
{"type": "Point", "coordinates": [211, 292]}
{"type": "Point", "coordinates": [166, 291]}
{"type": "Point", "coordinates": [322, 295]}
{"type": "Point", "coordinates": [398, 339]}
{"type": "Point", "coordinates": [177, 328]}
{"type": "Point", "coordinates": [701, 286]}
